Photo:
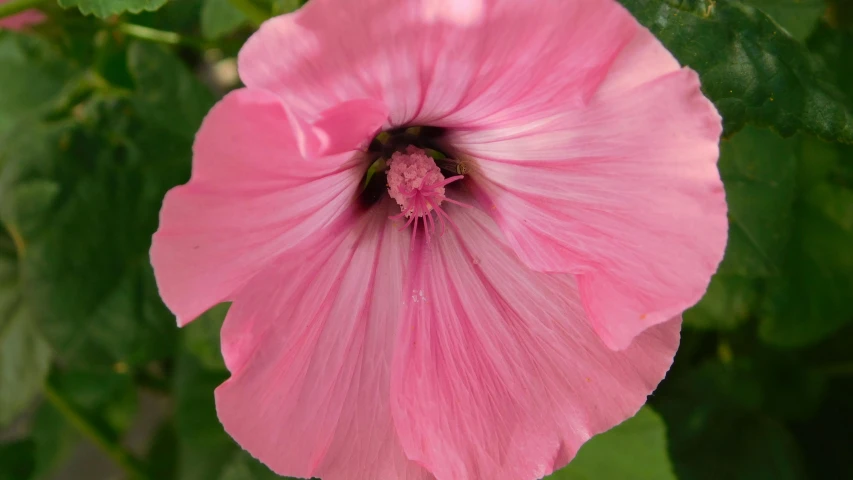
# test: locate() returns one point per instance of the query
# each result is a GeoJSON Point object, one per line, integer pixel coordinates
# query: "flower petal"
{"type": "Point", "coordinates": [251, 198]}
{"type": "Point", "coordinates": [22, 20]}
{"type": "Point", "coordinates": [498, 374]}
{"type": "Point", "coordinates": [472, 69]}
{"type": "Point", "coordinates": [311, 358]}
{"type": "Point", "coordinates": [343, 128]}
{"type": "Point", "coordinates": [461, 12]}
{"type": "Point", "coordinates": [624, 193]}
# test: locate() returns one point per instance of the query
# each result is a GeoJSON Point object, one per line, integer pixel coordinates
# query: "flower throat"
{"type": "Point", "coordinates": [412, 165]}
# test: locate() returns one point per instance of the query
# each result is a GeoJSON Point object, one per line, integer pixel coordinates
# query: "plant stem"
{"type": "Point", "coordinates": [119, 454]}
{"type": "Point", "coordinates": [159, 36]}
{"type": "Point", "coordinates": [254, 13]}
{"type": "Point", "coordinates": [17, 6]}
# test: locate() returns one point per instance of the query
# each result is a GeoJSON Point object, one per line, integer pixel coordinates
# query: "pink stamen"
{"type": "Point", "coordinates": [416, 183]}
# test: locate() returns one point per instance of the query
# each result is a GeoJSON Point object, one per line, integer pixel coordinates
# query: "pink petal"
{"type": "Point", "coordinates": [251, 198]}
{"type": "Point", "coordinates": [22, 20]}
{"type": "Point", "coordinates": [498, 373]}
{"type": "Point", "coordinates": [309, 343]}
{"type": "Point", "coordinates": [475, 68]}
{"type": "Point", "coordinates": [461, 12]}
{"type": "Point", "coordinates": [623, 192]}
{"type": "Point", "coordinates": [342, 128]}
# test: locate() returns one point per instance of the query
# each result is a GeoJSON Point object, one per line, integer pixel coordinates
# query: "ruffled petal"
{"type": "Point", "coordinates": [251, 198]}
{"type": "Point", "coordinates": [469, 65]}
{"type": "Point", "coordinates": [623, 192]}
{"type": "Point", "coordinates": [310, 359]}
{"type": "Point", "coordinates": [498, 373]}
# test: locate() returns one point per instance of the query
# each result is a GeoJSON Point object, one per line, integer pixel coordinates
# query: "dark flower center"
{"type": "Point", "coordinates": [432, 140]}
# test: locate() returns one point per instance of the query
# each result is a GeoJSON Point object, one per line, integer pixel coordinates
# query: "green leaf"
{"type": "Point", "coordinates": [16, 460]}
{"type": "Point", "coordinates": [201, 337]}
{"type": "Point", "coordinates": [162, 455]}
{"type": "Point", "coordinates": [205, 448]}
{"type": "Point", "coordinates": [87, 276]}
{"type": "Point", "coordinates": [54, 439]}
{"type": "Point", "coordinates": [24, 354]}
{"type": "Point", "coordinates": [101, 392]}
{"type": "Point", "coordinates": [835, 47]}
{"type": "Point", "coordinates": [286, 6]}
{"type": "Point", "coordinates": [168, 95]}
{"type": "Point", "coordinates": [812, 298]}
{"type": "Point", "coordinates": [798, 17]}
{"type": "Point", "coordinates": [105, 8]}
{"type": "Point", "coordinates": [32, 77]}
{"type": "Point", "coordinates": [718, 426]}
{"type": "Point", "coordinates": [728, 303]}
{"type": "Point", "coordinates": [243, 467]}
{"type": "Point", "coordinates": [634, 450]}
{"type": "Point", "coordinates": [219, 18]}
{"type": "Point", "coordinates": [757, 168]}
{"type": "Point", "coordinates": [750, 68]}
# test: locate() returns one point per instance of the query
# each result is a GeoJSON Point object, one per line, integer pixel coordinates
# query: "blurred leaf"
{"type": "Point", "coordinates": [286, 6]}
{"type": "Point", "coordinates": [32, 77]}
{"type": "Point", "coordinates": [168, 95]}
{"type": "Point", "coordinates": [101, 392]}
{"type": "Point", "coordinates": [24, 354]}
{"type": "Point", "coordinates": [750, 69]}
{"type": "Point", "coordinates": [812, 297]}
{"type": "Point", "coordinates": [219, 18]}
{"type": "Point", "coordinates": [86, 271]}
{"type": "Point", "coordinates": [16, 460]}
{"type": "Point", "coordinates": [204, 446]}
{"type": "Point", "coordinates": [105, 8]}
{"type": "Point", "coordinates": [201, 337]}
{"type": "Point", "coordinates": [633, 450]}
{"type": "Point", "coordinates": [835, 47]}
{"type": "Point", "coordinates": [53, 437]}
{"type": "Point", "coordinates": [728, 303]}
{"type": "Point", "coordinates": [826, 435]}
{"type": "Point", "coordinates": [243, 467]}
{"type": "Point", "coordinates": [757, 168]}
{"type": "Point", "coordinates": [182, 16]}
{"type": "Point", "coordinates": [717, 427]}
{"type": "Point", "coordinates": [798, 17]}
{"type": "Point", "coordinates": [162, 455]}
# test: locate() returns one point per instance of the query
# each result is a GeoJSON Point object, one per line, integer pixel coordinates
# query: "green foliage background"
{"type": "Point", "coordinates": [98, 108]}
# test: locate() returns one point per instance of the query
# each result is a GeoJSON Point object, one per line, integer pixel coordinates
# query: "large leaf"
{"type": "Point", "coordinates": [86, 193]}
{"type": "Point", "coordinates": [219, 18]}
{"type": "Point", "coordinates": [24, 354]}
{"type": "Point", "coordinates": [84, 201]}
{"type": "Point", "coordinates": [201, 338]}
{"type": "Point", "coordinates": [17, 460]}
{"type": "Point", "coordinates": [798, 17]}
{"type": "Point", "coordinates": [719, 427]}
{"type": "Point", "coordinates": [101, 392]}
{"type": "Point", "coordinates": [243, 467]}
{"type": "Point", "coordinates": [812, 299]}
{"type": "Point", "coordinates": [204, 447]}
{"type": "Point", "coordinates": [54, 439]}
{"type": "Point", "coordinates": [752, 70]}
{"type": "Point", "coordinates": [757, 168]}
{"type": "Point", "coordinates": [32, 77]}
{"type": "Point", "coordinates": [634, 450]}
{"type": "Point", "coordinates": [105, 8]}
{"type": "Point", "coordinates": [728, 303]}
{"type": "Point", "coordinates": [168, 95]}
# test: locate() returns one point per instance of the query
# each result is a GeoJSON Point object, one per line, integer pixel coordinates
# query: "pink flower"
{"type": "Point", "coordinates": [468, 300]}
{"type": "Point", "coordinates": [21, 20]}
